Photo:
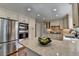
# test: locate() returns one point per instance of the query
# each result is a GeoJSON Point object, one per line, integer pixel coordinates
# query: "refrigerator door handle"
{"type": "Point", "coordinates": [0, 46]}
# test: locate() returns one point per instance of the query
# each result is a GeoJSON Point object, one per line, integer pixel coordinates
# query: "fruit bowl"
{"type": "Point", "coordinates": [44, 40]}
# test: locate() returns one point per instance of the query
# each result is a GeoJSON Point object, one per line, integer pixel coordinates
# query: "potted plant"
{"type": "Point", "coordinates": [44, 40]}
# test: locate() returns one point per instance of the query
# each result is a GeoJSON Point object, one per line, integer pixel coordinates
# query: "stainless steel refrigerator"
{"type": "Point", "coordinates": [8, 36]}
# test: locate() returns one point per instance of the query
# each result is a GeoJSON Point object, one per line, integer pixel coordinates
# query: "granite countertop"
{"type": "Point", "coordinates": [56, 47]}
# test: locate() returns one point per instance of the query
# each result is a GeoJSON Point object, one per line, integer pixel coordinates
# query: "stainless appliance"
{"type": "Point", "coordinates": [22, 33]}
{"type": "Point", "coordinates": [23, 30]}
{"type": "Point", "coordinates": [8, 36]}
{"type": "Point", "coordinates": [77, 32]}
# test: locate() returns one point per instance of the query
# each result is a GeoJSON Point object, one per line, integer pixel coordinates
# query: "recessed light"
{"type": "Point", "coordinates": [73, 41]}
{"type": "Point", "coordinates": [51, 16]}
{"type": "Point", "coordinates": [56, 15]}
{"type": "Point", "coordinates": [38, 14]}
{"type": "Point", "coordinates": [43, 18]}
{"type": "Point", "coordinates": [65, 6]}
{"type": "Point", "coordinates": [54, 9]}
{"type": "Point", "coordinates": [29, 9]}
{"type": "Point", "coordinates": [57, 54]}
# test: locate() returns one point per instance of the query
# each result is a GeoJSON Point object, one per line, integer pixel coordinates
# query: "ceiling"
{"type": "Point", "coordinates": [45, 10]}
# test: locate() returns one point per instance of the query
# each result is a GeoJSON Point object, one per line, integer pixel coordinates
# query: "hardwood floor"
{"type": "Point", "coordinates": [20, 52]}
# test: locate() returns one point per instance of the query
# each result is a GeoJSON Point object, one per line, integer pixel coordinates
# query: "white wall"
{"type": "Point", "coordinates": [65, 22]}
{"type": "Point", "coordinates": [8, 13]}
{"type": "Point", "coordinates": [23, 18]}
{"type": "Point", "coordinates": [75, 14]}
{"type": "Point", "coordinates": [38, 29]}
{"type": "Point", "coordinates": [13, 15]}
{"type": "Point", "coordinates": [31, 28]}
{"type": "Point", "coordinates": [70, 19]}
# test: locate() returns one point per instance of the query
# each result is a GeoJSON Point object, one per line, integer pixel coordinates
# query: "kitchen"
{"type": "Point", "coordinates": [23, 30]}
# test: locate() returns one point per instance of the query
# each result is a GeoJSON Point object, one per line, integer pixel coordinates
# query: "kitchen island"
{"type": "Point", "coordinates": [55, 48]}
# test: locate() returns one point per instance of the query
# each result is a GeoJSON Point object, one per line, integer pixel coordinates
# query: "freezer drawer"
{"type": "Point", "coordinates": [1, 50]}
{"type": "Point", "coordinates": [7, 48]}
{"type": "Point", "coordinates": [10, 47]}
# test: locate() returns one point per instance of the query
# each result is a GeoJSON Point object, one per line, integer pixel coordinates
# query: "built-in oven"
{"type": "Point", "coordinates": [23, 35]}
{"type": "Point", "coordinates": [23, 30]}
